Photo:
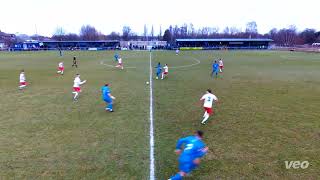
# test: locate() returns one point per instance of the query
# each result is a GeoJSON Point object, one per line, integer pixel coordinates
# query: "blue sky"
{"type": "Point", "coordinates": [44, 16]}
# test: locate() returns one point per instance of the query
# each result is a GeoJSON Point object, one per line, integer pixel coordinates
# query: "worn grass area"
{"type": "Point", "coordinates": [269, 113]}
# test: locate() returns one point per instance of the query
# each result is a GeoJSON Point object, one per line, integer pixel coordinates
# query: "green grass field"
{"type": "Point", "coordinates": [269, 113]}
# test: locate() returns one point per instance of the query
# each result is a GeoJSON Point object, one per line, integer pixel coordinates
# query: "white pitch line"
{"type": "Point", "coordinates": [177, 67]}
{"type": "Point", "coordinates": [108, 65]}
{"type": "Point", "coordinates": [152, 166]}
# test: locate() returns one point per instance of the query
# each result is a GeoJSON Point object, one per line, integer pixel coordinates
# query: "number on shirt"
{"type": "Point", "coordinates": [189, 146]}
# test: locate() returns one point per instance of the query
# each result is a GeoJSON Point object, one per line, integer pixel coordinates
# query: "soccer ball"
{"type": "Point", "coordinates": [147, 83]}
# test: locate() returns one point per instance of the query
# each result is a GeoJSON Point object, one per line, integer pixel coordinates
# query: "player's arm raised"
{"type": "Point", "coordinates": [83, 82]}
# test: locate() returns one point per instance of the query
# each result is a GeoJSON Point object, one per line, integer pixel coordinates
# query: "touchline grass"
{"type": "Point", "coordinates": [269, 114]}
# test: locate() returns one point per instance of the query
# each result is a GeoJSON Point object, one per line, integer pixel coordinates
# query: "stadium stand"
{"type": "Point", "coordinates": [65, 45]}
{"type": "Point", "coordinates": [186, 44]}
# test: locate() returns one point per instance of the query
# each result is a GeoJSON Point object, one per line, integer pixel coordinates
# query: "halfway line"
{"type": "Point", "coordinates": [152, 169]}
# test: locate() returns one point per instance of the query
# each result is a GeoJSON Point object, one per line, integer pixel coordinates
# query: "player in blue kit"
{"type": "Point", "coordinates": [60, 51]}
{"type": "Point", "coordinates": [107, 97]}
{"type": "Point", "coordinates": [190, 156]}
{"type": "Point", "coordinates": [116, 57]}
{"type": "Point", "coordinates": [215, 69]}
{"type": "Point", "coordinates": [159, 70]}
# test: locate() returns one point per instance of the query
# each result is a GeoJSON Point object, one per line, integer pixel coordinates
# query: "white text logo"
{"type": "Point", "coordinates": [296, 164]}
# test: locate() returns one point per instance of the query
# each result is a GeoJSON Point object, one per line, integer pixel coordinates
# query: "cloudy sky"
{"type": "Point", "coordinates": [44, 16]}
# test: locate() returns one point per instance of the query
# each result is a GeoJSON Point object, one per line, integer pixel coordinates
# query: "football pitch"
{"type": "Point", "coordinates": [269, 114]}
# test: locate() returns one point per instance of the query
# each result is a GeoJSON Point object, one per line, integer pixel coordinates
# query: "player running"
{"type": "Point", "coordinates": [60, 52]}
{"type": "Point", "coordinates": [159, 70]}
{"type": "Point", "coordinates": [75, 62]}
{"type": "Point", "coordinates": [22, 79]}
{"type": "Point", "coordinates": [220, 65]}
{"type": "Point", "coordinates": [190, 155]}
{"type": "Point", "coordinates": [60, 68]}
{"type": "Point", "coordinates": [107, 97]}
{"type": "Point", "coordinates": [116, 57]}
{"type": "Point", "coordinates": [120, 63]}
{"type": "Point", "coordinates": [165, 71]}
{"type": "Point", "coordinates": [207, 100]}
{"type": "Point", "coordinates": [215, 69]}
{"type": "Point", "coordinates": [76, 86]}
{"type": "Point", "coordinates": [177, 52]}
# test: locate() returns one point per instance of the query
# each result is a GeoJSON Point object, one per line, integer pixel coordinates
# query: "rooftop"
{"type": "Point", "coordinates": [224, 40]}
{"type": "Point", "coordinates": [79, 41]}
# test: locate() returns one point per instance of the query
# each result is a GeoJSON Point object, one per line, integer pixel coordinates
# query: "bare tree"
{"type": "Point", "coordinates": [114, 36]}
{"type": "Point", "coordinates": [126, 33]}
{"type": "Point", "coordinates": [252, 29]}
{"type": "Point", "coordinates": [59, 34]}
{"type": "Point", "coordinates": [215, 30]}
{"type": "Point", "coordinates": [152, 32]}
{"type": "Point", "coordinates": [89, 33]}
{"type": "Point", "coordinates": [59, 31]}
{"type": "Point", "coordinates": [167, 36]}
{"type": "Point", "coordinates": [176, 32]}
{"type": "Point", "coordinates": [191, 31]}
{"type": "Point", "coordinates": [184, 31]}
{"type": "Point", "coordinates": [226, 31]}
{"type": "Point", "coordinates": [145, 32]}
{"type": "Point", "coordinates": [71, 37]}
{"type": "Point", "coordinates": [160, 33]}
{"type": "Point", "coordinates": [205, 32]}
{"type": "Point", "coordinates": [171, 33]}
{"type": "Point", "coordinates": [287, 37]}
{"type": "Point", "coordinates": [234, 31]}
{"type": "Point", "coordinates": [284, 37]}
{"type": "Point", "coordinates": [318, 36]}
{"type": "Point", "coordinates": [273, 33]}
{"type": "Point", "coordinates": [308, 36]}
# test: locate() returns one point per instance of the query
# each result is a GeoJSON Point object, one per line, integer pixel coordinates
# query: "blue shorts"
{"type": "Point", "coordinates": [108, 100]}
{"type": "Point", "coordinates": [187, 167]}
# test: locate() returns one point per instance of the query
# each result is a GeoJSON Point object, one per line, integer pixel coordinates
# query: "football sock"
{"type": "Point", "coordinates": [110, 107]}
{"type": "Point", "coordinates": [75, 95]}
{"type": "Point", "coordinates": [206, 117]}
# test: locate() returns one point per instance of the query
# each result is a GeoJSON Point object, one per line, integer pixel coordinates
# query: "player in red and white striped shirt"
{"type": "Point", "coordinates": [76, 86]}
{"type": "Point", "coordinates": [22, 80]}
{"type": "Point", "coordinates": [165, 71]}
{"type": "Point", "coordinates": [120, 63]}
{"type": "Point", "coordinates": [208, 100]}
{"type": "Point", "coordinates": [60, 68]}
{"type": "Point", "coordinates": [221, 65]}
